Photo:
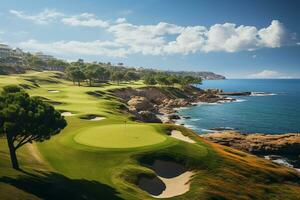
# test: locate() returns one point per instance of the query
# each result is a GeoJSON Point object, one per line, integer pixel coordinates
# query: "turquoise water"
{"type": "Point", "coordinates": [278, 112]}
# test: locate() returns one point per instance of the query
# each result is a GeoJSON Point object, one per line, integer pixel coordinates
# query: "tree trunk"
{"type": "Point", "coordinates": [78, 83]}
{"type": "Point", "coordinates": [12, 151]}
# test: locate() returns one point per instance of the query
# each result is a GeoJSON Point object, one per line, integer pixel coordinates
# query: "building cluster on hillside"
{"type": "Point", "coordinates": [11, 56]}
{"type": "Point", "coordinates": [16, 56]}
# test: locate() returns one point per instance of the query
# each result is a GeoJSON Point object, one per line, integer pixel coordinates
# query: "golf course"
{"type": "Point", "coordinates": [103, 154]}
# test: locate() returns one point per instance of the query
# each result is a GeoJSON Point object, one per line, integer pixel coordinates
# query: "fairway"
{"type": "Point", "coordinates": [120, 136]}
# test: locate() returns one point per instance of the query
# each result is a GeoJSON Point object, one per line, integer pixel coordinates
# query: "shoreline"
{"type": "Point", "coordinates": [160, 105]}
{"type": "Point", "coordinates": [280, 158]}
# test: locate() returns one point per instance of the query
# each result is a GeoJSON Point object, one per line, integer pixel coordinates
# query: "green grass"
{"type": "Point", "coordinates": [119, 136]}
{"type": "Point", "coordinates": [103, 159]}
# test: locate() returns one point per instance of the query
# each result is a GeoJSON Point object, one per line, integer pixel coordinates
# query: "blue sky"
{"type": "Point", "coordinates": [236, 38]}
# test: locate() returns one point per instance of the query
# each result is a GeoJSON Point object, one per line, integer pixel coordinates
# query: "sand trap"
{"type": "Point", "coordinates": [179, 136]}
{"type": "Point", "coordinates": [176, 186]}
{"type": "Point", "coordinates": [53, 91]}
{"type": "Point", "coordinates": [67, 114]}
{"type": "Point", "coordinates": [172, 180]}
{"type": "Point", "coordinates": [97, 118]}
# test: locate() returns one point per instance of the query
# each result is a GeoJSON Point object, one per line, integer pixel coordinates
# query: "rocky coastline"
{"type": "Point", "coordinates": [160, 105]}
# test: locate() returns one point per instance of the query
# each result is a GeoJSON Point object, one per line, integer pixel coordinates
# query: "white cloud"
{"type": "Point", "coordinates": [85, 19]}
{"type": "Point", "coordinates": [145, 39]}
{"type": "Point", "coordinates": [158, 39]}
{"type": "Point", "coordinates": [121, 20]}
{"type": "Point", "coordinates": [43, 17]}
{"type": "Point", "coordinates": [97, 47]}
{"type": "Point", "coordinates": [190, 40]}
{"type": "Point", "coordinates": [273, 36]}
{"type": "Point", "coordinates": [266, 74]}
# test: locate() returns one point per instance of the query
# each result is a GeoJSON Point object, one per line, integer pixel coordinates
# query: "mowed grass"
{"type": "Point", "coordinates": [103, 159]}
{"type": "Point", "coordinates": [119, 136]}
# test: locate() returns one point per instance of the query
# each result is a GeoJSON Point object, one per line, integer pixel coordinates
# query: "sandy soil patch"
{"type": "Point", "coordinates": [67, 114]}
{"type": "Point", "coordinates": [178, 135]}
{"type": "Point", "coordinates": [53, 91]}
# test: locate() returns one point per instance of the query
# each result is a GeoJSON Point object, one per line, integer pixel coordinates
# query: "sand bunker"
{"type": "Point", "coordinates": [67, 114]}
{"type": "Point", "coordinates": [179, 136]}
{"type": "Point", "coordinates": [176, 186]}
{"type": "Point", "coordinates": [172, 180]}
{"type": "Point", "coordinates": [97, 118]}
{"type": "Point", "coordinates": [92, 117]}
{"type": "Point", "coordinates": [53, 91]}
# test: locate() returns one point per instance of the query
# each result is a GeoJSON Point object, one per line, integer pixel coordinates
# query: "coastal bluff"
{"type": "Point", "coordinates": [163, 101]}
{"type": "Point", "coordinates": [280, 144]}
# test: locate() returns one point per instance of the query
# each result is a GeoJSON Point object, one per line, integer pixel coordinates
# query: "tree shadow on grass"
{"type": "Point", "coordinates": [54, 186]}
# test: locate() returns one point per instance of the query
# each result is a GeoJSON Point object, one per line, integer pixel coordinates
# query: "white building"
{"type": "Point", "coordinates": [43, 57]}
{"type": "Point", "coordinates": [5, 51]}
{"type": "Point", "coordinates": [11, 56]}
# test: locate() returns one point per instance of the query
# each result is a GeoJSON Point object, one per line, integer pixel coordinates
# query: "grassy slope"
{"type": "Point", "coordinates": [76, 171]}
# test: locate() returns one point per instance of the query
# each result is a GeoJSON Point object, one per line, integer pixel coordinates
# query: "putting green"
{"type": "Point", "coordinates": [119, 136]}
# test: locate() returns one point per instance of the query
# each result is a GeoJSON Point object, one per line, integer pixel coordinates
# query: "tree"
{"type": "Point", "coordinates": [70, 73]}
{"type": "Point", "coordinates": [173, 79]}
{"type": "Point", "coordinates": [162, 80]}
{"type": "Point", "coordinates": [90, 74]}
{"type": "Point", "coordinates": [149, 80]}
{"type": "Point", "coordinates": [131, 76]}
{"type": "Point", "coordinates": [25, 119]}
{"type": "Point", "coordinates": [117, 76]}
{"type": "Point", "coordinates": [188, 80]}
{"type": "Point", "coordinates": [102, 74]}
{"type": "Point", "coordinates": [75, 74]}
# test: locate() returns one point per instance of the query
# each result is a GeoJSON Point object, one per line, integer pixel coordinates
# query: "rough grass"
{"type": "Point", "coordinates": [71, 170]}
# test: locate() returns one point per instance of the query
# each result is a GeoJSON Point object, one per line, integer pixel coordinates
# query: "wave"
{"type": "Point", "coordinates": [194, 120]}
{"type": "Point", "coordinates": [190, 126]}
{"type": "Point", "coordinates": [205, 103]}
{"type": "Point", "coordinates": [240, 100]}
{"type": "Point", "coordinates": [208, 130]}
{"type": "Point", "coordinates": [231, 100]}
{"type": "Point", "coordinates": [261, 94]}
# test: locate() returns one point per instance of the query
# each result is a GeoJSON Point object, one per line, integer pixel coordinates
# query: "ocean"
{"type": "Point", "coordinates": [273, 108]}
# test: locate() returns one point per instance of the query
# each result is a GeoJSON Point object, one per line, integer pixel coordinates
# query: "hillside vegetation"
{"type": "Point", "coordinates": [104, 159]}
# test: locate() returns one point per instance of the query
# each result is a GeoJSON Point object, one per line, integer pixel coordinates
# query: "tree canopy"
{"type": "Point", "coordinates": [25, 119]}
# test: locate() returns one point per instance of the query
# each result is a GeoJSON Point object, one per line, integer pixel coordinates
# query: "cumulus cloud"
{"type": "Point", "coordinates": [97, 47]}
{"type": "Point", "coordinates": [166, 38]}
{"type": "Point", "coordinates": [85, 19]}
{"type": "Point", "coordinates": [44, 17]}
{"type": "Point", "coordinates": [267, 74]}
{"type": "Point", "coordinates": [121, 20]}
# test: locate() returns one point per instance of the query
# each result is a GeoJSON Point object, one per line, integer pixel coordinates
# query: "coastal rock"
{"type": "Point", "coordinates": [283, 144]}
{"type": "Point", "coordinates": [147, 116]}
{"type": "Point", "coordinates": [138, 103]}
{"type": "Point", "coordinates": [173, 116]}
{"type": "Point", "coordinates": [164, 101]}
{"type": "Point", "coordinates": [236, 93]}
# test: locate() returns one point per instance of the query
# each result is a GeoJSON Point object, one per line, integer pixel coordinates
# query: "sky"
{"type": "Point", "coordinates": [235, 38]}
